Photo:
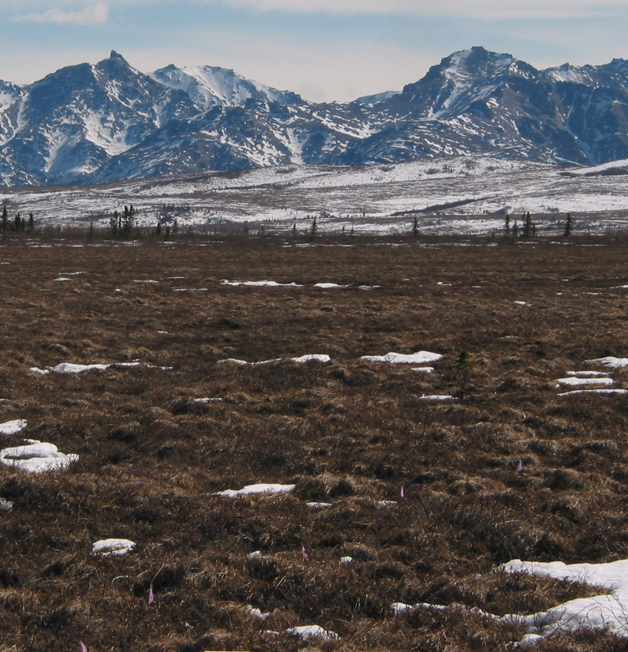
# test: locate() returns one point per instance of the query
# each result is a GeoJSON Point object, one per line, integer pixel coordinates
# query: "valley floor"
{"type": "Point", "coordinates": [383, 483]}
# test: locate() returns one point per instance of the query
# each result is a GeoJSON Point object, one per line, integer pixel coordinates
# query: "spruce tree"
{"type": "Point", "coordinates": [415, 227]}
{"type": "Point", "coordinates": [568, 225]}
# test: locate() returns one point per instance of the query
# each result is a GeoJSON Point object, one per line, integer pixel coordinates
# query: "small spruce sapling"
{"type": "Point", "coordinates": [568, 225]}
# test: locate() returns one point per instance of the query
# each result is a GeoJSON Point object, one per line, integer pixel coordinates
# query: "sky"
{"type": "Point", "coordinates": [326, 50]}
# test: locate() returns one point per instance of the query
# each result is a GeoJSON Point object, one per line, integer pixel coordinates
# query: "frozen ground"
{"type": "Point", "coordinates": [456, 195]}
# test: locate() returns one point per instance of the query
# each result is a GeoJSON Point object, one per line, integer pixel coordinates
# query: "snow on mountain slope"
{"type": "Point", "coordinates": [110, 122]}
{"type": "Point", "coordinates": [210, 86]}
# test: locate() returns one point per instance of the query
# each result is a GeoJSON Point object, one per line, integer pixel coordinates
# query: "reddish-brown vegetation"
{"type": "Point", "coordinates": [350, 433]}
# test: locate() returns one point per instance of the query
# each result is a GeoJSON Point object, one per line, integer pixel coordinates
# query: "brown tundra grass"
{"type": "Point", "coordinates": [349, 433]}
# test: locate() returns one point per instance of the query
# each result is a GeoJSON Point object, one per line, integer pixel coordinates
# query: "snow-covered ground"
{"type": "Point", "coordinates": [464, 195]}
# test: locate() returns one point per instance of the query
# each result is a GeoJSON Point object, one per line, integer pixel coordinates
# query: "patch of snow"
{"type": "Point", "coordinates": [208, 400]}
{"type": "Point", "coordinates": [521, 303]}
{"type": "Point", "coordinates": [588, 374]}
{"type": "Point", "coordinates": [254, 489]}
{"type": "Point", "coordinates": [37, 457]}
{"type": "Point", "coordinates": [254, 555]}
{"type": "Point", "coordinates": [598, 612]}
{"type": "Point", "coordinates": [610, 361]}
{"type": "Point", "coordinates": [62, 278]}
{"type": "Point", "coordinates": [346, 560]}
{"type": "Point", "coordinates": [70, 368]}
{"type": "Point", "coordinates": [425, 370]}
{"type": "Point", "coordinates": [5, 505]}
{"type": "Point", "coordinates": [328, 286]}
{"type": "Point", "coordinates": [233, 361]}
{"type": "Point", "coordinates": [271, 284]}
{"type": "Point", "coordinates": [307, 632]}
{"type": "Point", "coordinates": [316, 505]}
{"type": "Point", "coordinates": [575, 381]}
{"type": "Point", "coordinates": [12, 427]}
{"type": "Point", "coordinates": [258, 613]}
{"type": "Point", "coordinates": [117, 547]}
{"type": "Point", "coordinates": [594, 391]}
{"type": "Point", "coordinates": [399, 358]}
{"type": "Point", "coordinates": [436, 397]}
{"type": "Point", "coordinates": [310, 357]}
{"type": "Point", "coordinates": [386, 503]}
{"type": "Point", "coordinates": [37, 370]}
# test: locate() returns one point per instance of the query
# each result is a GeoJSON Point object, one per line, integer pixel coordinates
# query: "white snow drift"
{"type": "Point", "coordinates": [12, 427]}
{"type": "Point", "coordinates": [575, 381]}
{"type": "Point", "coordinates": [37, 457]}
{"type": "Point", "coordinates": [421, 357]}
{"type": "Point", "coordinates": [610, 361]}
{"type": "Point", "coordinates": [606, 612]}
{"type": "Point", "coordinates": [252, 489]}
{"type": "Point", "coordinates": [117, 547]}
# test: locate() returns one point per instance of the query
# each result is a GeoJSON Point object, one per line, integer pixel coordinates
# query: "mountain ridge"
{"type": "Point", "coordinates": [94, 123]}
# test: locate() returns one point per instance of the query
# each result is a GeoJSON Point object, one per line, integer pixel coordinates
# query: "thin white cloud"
{"type": "Point", "coordinates": [96, 15]}
{"type": "Point", "coordinates": [487, 9]}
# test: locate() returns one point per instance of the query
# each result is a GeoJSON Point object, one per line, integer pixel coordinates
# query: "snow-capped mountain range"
{"type": "Point", "coordinates": [109, 122]}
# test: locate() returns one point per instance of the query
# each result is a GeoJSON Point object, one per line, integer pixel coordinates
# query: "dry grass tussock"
{"type": "Point", "coordinates": [349, 433]}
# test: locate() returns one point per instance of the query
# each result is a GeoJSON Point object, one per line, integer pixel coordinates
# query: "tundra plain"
{"type": "Point", "coordinates": [398, 497]}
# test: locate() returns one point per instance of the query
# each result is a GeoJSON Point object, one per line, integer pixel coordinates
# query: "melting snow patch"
{"type": "Point", "coordinates": [329, 286]}
{"type": "Point", "coordinates": [118, 547]}
{"type": "Point", "coordinates": [208, 400]}
{"type": "Point", "coordinates": [573, 381]}
{"type": "Point", "coordinates": [425, 370]}
{"type": "Point", "coordinates": [37, 457]}
{"type": "Point", "coordinates": [588, 374]}
{"type": "Point", "coordinates": [421, 357]}
{"type": "Point", "coordinates": [5, 505]}
{"type": "Point", "coordinates": [346, 560]}
{"type": "Point", "coordinates": [37, 370]}
{"type": "Point", "coordinates": [258, 613]}
{"type": "Point", "coordinates": [232, 361]}
{"type": "Point", "coordinates": [270, 284]}
{"type": "Point", "coordinates": [257, 489]}
{"type": "Point", "coordinates": [254, 555]}
{"type": "Point", "coordinates": [316, 505]}
{"type": "Point", "coordinates": [70, 368]}
{"type": "Point", "coordinates": [607, 612]}
{"type": "Point", "coordinates": [369, 287]}
{"type": "Point", "coordinates": [303, 358]}
{"type": "Point", "coordinates": [436, 397]}
{"type": "Point", "coordinates": [594, 391]}
{"type": "Point", "coordinates": [521, 303]}
{"type": "Point", "coordinates": [310, 357]}
{"type": "Point", "coordinates": [598, 612]}
{"type": "Point", "coordinates": [307, 632]}
{"type": "Point", "coordinates": [12, 427]}
{"type": "Point", "coordinates": [610, 361]}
